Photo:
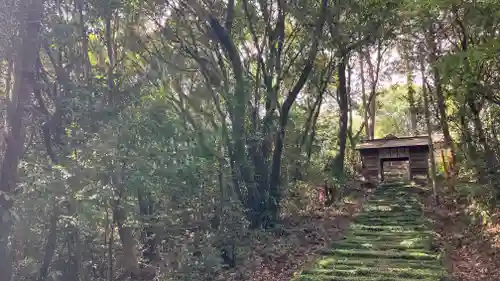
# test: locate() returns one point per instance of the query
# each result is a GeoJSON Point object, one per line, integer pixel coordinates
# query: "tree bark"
{"type": "Point", "coordinates": [243, 173]}
{"type": "Point", "coordinates": [411, 103]}
{"type": "Point", "coordinates": [310, 118]}
{"type": "Point", "coordinates": [111, 57]}
{"type": "Point", "coordinates": [410, 94]}
{"type": "Point", "coordinates": [467, 140]}
{"type": "Point", "coordinates": [374, 74]}
{"type": "Point", "coordinates": [474, 104]}
{"type": "Point", "coordinates": [275, 177]}
{"type": "Point", "coordinates": [440, 98]}
{"type": "Point", "coordinates": [75, 246]}
{"type": "Point", "coordinates": [50, 244]}
{"type": "Point", "coordinates": [116, 177]}
{"type": "Point", "coordinates": [8, 79]}
{"type": "Point", "coordinates": [304, 141]}
{"type": "Point", "coordinates": [342, 95]}
{"type": "Point", "coordinates": [488, 154]}
{"type": "Point", "coordinates": [316, 109]}
{"type": "Point", "coordinates": [80, 6]}
{"type": "Point", "coordinates": [448, 140]}
{"type": "Point", "coordinates": [31, 13]}
{"type": "Point", "coordinates": [312, 137]}
{"type": "Point", "coordinates": [373, 114]}
{"type": "Point", "coordinates": [148, 237]}
{"type": "Point", "coordinates": [130, 255]}
{"type": "Point", "coordinates": [432, 169]}
{"type": "Point", "coordinates": [350, 133]}
{"type": "Point", "coordinates": [111, 239]}
{"type": "Point", "coordinates": [363, 93]}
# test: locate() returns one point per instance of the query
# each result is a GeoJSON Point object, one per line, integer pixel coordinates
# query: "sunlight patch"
{"type": "Point", "coordinates": [411, 242]}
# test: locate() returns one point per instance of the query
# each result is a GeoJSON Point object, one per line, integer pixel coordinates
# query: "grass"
{"type": "Point", "coordinates": [388, 241]}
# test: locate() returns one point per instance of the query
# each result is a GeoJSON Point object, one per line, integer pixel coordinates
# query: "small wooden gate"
{"type": "Point", "coordinates": [403, 158]}
{"type": "Point", "coordinates": [395, 169]}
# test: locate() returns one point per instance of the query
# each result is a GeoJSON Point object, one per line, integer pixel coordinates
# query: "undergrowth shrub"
{"type": "Point", "coordinates": [300, 197]}
{"type": "Point", "coordinates": [478, 201]}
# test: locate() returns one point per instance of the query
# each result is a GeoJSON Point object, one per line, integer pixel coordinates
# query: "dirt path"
{"type": "Point", "coordinates": [388, 241]}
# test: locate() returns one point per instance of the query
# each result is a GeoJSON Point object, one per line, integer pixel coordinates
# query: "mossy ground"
{"type": "Point", "coordinates": [388, 241]}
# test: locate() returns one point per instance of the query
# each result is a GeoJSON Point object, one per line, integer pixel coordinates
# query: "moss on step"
{"type": "Point", "coordinates": [383, 245]}
{"type": "Point", "coordinates": [376, 272]}
{"type": "Point", "coordinates": [391, 227]}
{"type": "Point", "coordinates": [388, 241]}
{"type": "Point", "coordinates": [345, 263]}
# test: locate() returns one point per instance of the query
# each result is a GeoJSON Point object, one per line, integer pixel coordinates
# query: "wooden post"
{"type": "Point", "coordinates": [445, 165]}
{"type": "Point", "coordinates": [410, 177]}
{"type": "Point", "coordinates": [381, 169]}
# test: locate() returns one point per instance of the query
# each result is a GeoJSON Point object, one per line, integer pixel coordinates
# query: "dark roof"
{"type": "Point", "coordinates": [398, 142]}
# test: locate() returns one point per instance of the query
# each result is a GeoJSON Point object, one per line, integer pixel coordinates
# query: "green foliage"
{"type": "Point", "coordinates": [394, 112]}
{"type": "Point", "coordinates": [146, 126]}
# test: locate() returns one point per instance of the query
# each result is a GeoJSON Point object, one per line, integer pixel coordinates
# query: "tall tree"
{"type": "Point", "coordinates": [30, 19]}
{"type": "Point", "coordinates": [432, 169]}
{"type": "Point", "coordinates": [433, 54]}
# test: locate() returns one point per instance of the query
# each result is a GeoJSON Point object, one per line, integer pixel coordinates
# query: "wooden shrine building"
{"type": "Point", "coordinates": [401, 158]}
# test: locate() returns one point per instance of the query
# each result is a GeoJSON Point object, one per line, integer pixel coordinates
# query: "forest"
{"type": "Point", "coordinates": [215, 140]}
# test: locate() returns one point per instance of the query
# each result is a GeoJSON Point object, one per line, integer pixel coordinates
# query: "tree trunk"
{"type": "Point", "coordinates": [76, 245]}
{"type": "Point", "coordinates": [466, 138]}
{"type": "Point", "coordinates": [243, 173]}
{"type": "Point", "coordinates": [489, 155]}
{"type": "Point", "coordinates": [310, 119]}
{"type": "Point", "coordinates": [432, 169]}
{"type": "Point", "coordinates": [448, 141]}
{"type": "Point", "coordinates": [363, 93]}
{"type": "Point", "coordinates": [109, 47]}
{"type": "Point", "coordinates": [237, 108]}
{"type": "Point", "coordinates": [80, 4]}
{"type": "Point", "coordinates": [350, 133]}
{"type": "Point", "coordinates": [111, 239]}
{"type": "Point", "coordinates": [25, 69]}
{"type": "Point", "coordinates": [146, 211]}
{"type": "Point", "coordinates": [50, 244]}
{"type": "Point", "coordinates": [373, 115]}
{"type": "Point", "coordinates": [411, 104]}
{"type": "Point", "coordinates": [304, 141]}
{"type": "Point", "coordinates": [130, 255]}
{"type": "Point", "coordinates": [410, 90]}
{"type": "Point", "coordinates": [312, 137]}
{"type": "Point", "coordinates": [8, 79]}
{"type": "Point", "coordinates": [474, 103]}
{"type": "Point", "coordinates": [374, 74]}
{"type": "Point", "coordinates": [338, 163]}
{"type": "Point", "coordinates": [308, 138]}
{"type": "Point", "coordinates": [275, 176]}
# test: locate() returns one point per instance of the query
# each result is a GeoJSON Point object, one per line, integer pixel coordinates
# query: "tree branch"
{"type": "Point", "coordinates": [292, 95]}
{"type": "Point", "coordinates": [229, 16]}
